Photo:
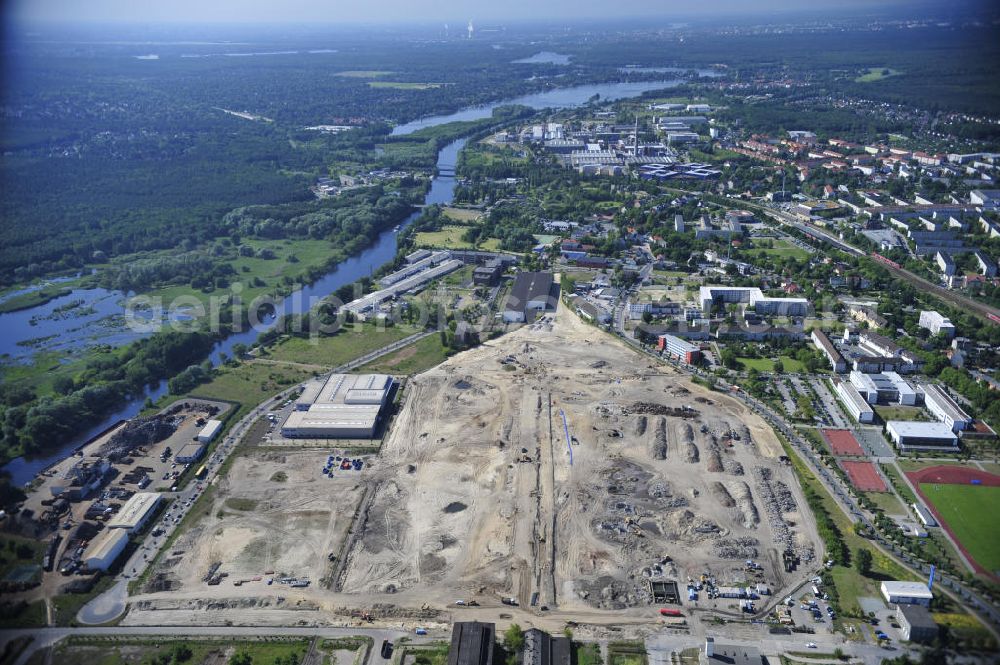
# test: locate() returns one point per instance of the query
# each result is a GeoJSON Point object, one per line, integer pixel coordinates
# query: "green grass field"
{"type": "Point", "coordinates": [898, 412]}
{"type": "Point", "coordinates": [271, 273]}
{"type": "Point", "coordinates": [586, 653]}
{"type": "Point", "coordinates": [352, 341]}
{"type": "Point", "coordinates": [913, 465]}
{"type": "Point", "coordinates": [780, 248]}
{"type": "Point", "coordinates": [887, 501]}
{"type": "Point", "coordinates": [249, 383]}
{"type": "Point", "coordinates": [450, 237]}
{"type": "Point", "coordinates": [412, 359]}
{"type": "Point", "coordinates": [968, 511]}
{"type": "Point", "coordinates": [790, 365]}
{"type": "Point", "coordinates": [877, 74]}
{"type": "Point", "coordinates": [85, 650]}
{"type": "Point", "coordinates": [461, 214]}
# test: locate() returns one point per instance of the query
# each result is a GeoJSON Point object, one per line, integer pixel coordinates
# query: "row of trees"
{"type": "Point", "coordinates": [32, 423]}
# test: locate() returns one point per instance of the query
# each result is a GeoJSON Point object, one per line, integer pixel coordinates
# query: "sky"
{"type": "Point", "coordinates": [403, 11]}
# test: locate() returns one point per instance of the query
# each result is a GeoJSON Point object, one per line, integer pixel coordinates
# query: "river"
{"type": "Point", "coordinates": [23, 469]}
{"type": "Point", "coordinates": [556, 98]}
{"type": "Point", "coordinates": [99, 307]}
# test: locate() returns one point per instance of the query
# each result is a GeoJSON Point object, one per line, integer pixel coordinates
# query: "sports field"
{"type": "Point", "coordinates": [842, 442]}
{"type": "Point", "coordinates": [864, 476]}
{"type": "Point", "coordinates": [971, 515]}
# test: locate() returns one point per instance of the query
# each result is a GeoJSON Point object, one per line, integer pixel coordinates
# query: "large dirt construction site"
{"type": "Point", "coordinates": [481, 493]}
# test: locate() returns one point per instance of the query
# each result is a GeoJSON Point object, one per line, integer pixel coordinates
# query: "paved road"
{"type": "Point", "coordinates": [45, 637]}
{"type": "Point", "coordinates": [659, 646]}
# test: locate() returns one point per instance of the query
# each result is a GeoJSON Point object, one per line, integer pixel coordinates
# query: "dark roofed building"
{"type": "Point", "coordinates": [532, 292]}
{"type": "Point", "coordinates": [540, 648]}
{"type": "Point", "coordinates": [649, 333]}
{"type": "Point", "coordinates": [488, 274]}
{"type": "Point", "coordinates": [916, 624]}
{"type": "Point", "coordinates": [758, 332]}
{"type": "Point", "coordinates": [472, 643]}
{"type": "Point", "coordinates": [729, 654]}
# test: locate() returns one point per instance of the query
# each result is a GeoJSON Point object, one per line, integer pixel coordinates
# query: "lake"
{"type": "Point", "coordinates": [544, 58]}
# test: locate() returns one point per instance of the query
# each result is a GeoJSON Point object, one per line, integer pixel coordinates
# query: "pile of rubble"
{"type": "Point", "coordinates": [740, 492]}
{"type": "Point", "coordinates": [736, 548]}
{"type": "Point", "coordinates": [690, 449]}
{"type": "Point", "coordinates": [139, 432]}
{"type": "Point", "coordinates": [773, 508]}
{"type": "Point", "coordinates": [660, 440]}
{"type": "Point", "coordinates": [651, 409]}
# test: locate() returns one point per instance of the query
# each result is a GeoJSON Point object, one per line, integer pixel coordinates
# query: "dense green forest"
{"type": "Point", "coordinates": [106, 152]}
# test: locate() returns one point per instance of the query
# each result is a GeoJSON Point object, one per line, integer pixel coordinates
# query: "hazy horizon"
{"type": "Point", "coordinates": [454, 12]}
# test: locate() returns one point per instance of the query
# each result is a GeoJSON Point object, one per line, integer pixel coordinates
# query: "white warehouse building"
{"type": "Point", "coordinates": [909, 435]}
{"type": "Point", "coordinates": [347, 406]}
{"type": "Point", "coordinates": [136, 512]}
{"type": "Point", "coordinates": [710, 295]}
{"type": "Point", "coordinates": [103, 551]}
{"type": "Point", "coordinates": [210, 431]}
{"type": "Point", "coordinates": [906, 593]}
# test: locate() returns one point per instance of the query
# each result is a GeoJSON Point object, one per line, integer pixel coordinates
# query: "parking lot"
{"type": "Point", "coordinates": [829, 404]}
{"type": "Point", "coordinates": [808, 609]}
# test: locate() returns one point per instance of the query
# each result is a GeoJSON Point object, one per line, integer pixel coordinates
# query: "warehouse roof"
{"type": "Point", "coordinates": [135, 510]}
{"type": "Point", "coordinates": [310, 392]}
{"type": "Point", "coordinates": [924, 430]}
{"type": "Point", "coordinates": [906, 589]}
{"type": "Point", "coordinates": [210, 429]}
{"type": "Point", "coordinates": [339, 386]}
{"type": "Point", "coordinates": [529, 286]}
{"type": "Point", "coordinates": [105, 544]}
{"type": "Point", "coordinates": [918, 616]}
{"type": "Point", "coordinates": [472, 643]}
{"type": "Point", "coordinates": [333, 415]}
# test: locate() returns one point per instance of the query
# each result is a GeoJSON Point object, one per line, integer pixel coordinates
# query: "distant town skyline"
{"type": "Point", "coordinates": [416, 11]}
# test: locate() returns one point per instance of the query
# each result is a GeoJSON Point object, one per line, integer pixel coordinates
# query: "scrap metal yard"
{"type": "Point", "coordinates": [533, 470]}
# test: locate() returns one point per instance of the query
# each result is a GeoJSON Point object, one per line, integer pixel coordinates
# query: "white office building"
{"type": "Point", "coordinates": [944, 408]}
{"type": "Point", "coordinates": [754, 297]}
{"type": "Point", "coordinates": [907, 395]}
{"type": "Point", "coordinates": [937, 324]}
{"type": "Point", "coordinates": [853, 402]}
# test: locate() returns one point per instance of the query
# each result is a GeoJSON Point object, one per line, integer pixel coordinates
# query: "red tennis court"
{"type": "Point", "coordinates": [864, 476]}
{"type": "Point", "coordinates": [842, 442]}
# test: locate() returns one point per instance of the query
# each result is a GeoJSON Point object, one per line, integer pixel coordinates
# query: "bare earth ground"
{"type": "Point", "coordinates": [264, 523]}
{"type": "Point", "coordinates": [474, 496]}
